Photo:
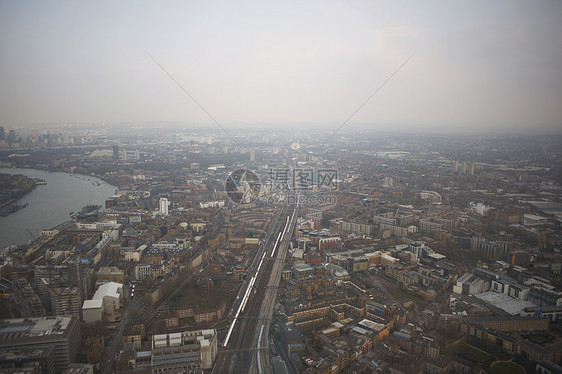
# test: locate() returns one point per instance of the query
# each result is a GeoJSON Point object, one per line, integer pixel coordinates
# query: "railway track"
{"type": "Point", "coordinates": [245, 346]}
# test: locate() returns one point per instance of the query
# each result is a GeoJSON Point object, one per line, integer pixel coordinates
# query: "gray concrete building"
{"type": "Point", "coordinates": [29, 334]}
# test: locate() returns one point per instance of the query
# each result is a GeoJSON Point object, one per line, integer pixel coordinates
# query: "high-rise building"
{"type": "Point", "coordinates": [47, 276]}
{"type": "Point", "coordinates": [11, 138]}
{"type": "Point", "coordinates": [72, 273]}
{"type": "Point", "coordinates": [65, 301]}
{"type": "Point", "coordinates": [30, 335]}
{"type": "Point", "coordinates": [115, 152]}
{"type": "Point", "coordinates": [34, 136]}
{"type": "Point", "coordinates": [2, 133]}
{"type": "Point", "coordinates": [253, 155]}
{"type": "Point", "coordinates": [80, 275]}
{"type": "Point", "coordinates": [130, 155]}
{"type": "Point", "coordinates": [164, 205]}
{"type": "Point", "coordinates": [388, 182]}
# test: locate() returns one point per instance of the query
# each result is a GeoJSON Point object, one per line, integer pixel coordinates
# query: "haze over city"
{"type": "Point", "coordinates": [329, 187]}
{"type": "Point", "coordinates": [475, 66]}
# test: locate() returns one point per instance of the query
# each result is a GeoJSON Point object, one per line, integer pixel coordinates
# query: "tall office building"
{"type": "Point", "coordinates": [2, 133]}
{"type": "Point", "coordinates": [164, 205]}
{"type": "Point", "coordinates": [25, 337]}
{"type": "Point", "coordinates": [115, 153]}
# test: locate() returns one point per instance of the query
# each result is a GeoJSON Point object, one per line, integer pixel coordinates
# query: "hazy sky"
{"type": "Point", "coordinates": [477, 64]}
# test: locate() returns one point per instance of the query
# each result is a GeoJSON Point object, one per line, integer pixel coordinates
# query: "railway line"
{"type": "Point", "coordinates": [245, 348]}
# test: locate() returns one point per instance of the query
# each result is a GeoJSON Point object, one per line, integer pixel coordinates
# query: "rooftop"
{"type": "Point", "coordinates": [505, 302]}
{"type": "Point", "coordinates": [44, 326]}
{"type": "Point", "coordinates": [92, 304]}
{"type": "Point", "coordinates": [108, 289]}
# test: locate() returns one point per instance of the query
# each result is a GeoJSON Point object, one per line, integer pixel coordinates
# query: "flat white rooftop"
{"type": "Point", "coordinates": [92, 304]}
{"type": "Point", "coordinates": [505, 302]}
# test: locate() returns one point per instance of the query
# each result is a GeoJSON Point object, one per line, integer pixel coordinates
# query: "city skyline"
{"type": "Point", "coordinates": [478, 66]}
{"type": "Point", "coordinates": [121, 247]}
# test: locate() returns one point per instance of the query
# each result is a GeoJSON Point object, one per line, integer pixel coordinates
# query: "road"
{"type": "Point", "coordinates": [247, 349]}
{"type": "Point", "coordinates": [108, 356]}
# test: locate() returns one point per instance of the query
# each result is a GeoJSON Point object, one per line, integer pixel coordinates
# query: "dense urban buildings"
{"type": "Point", "coordinates": [403, 254]}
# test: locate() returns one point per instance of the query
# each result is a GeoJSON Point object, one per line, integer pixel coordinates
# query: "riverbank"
{"type": "Point", "coordinates": [12, 209]}
{"type": "Point", "coordinates": [81, 171]}
{"type": "Point", "coordinates": [13, 187]}
{"type": "Point", "coordinates": [50, 204]}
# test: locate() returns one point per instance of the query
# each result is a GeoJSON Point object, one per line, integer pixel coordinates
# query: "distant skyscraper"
{"type": "Point", "coordinates": [164, 205]}
{"type": "Point", "coordinates": [2, 133]}
{"type": "Point", "coordinates": [11, 138]}
{"type": "Point", "coordinates": [253, 155]}
{"type": "Point", "coordinates": [388, 182]}
{"type": "Point", "coordinates": [115, 152]}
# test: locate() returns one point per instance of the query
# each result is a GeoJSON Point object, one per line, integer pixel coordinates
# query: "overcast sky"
{"type": "Point", "coordinates": [478, 65]}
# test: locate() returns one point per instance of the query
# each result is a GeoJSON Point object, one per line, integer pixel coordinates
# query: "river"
{"type": "Point", "coordinates": [50, 204]}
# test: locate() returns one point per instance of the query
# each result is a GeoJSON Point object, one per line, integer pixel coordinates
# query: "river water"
{"type": "Point", "coordinates": [50, 204]}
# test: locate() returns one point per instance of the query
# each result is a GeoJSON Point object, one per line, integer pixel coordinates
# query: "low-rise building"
{"type": "Point", "coordinates": [184, 352]}
{"type": "Point", "coordinates": [106, 301]}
